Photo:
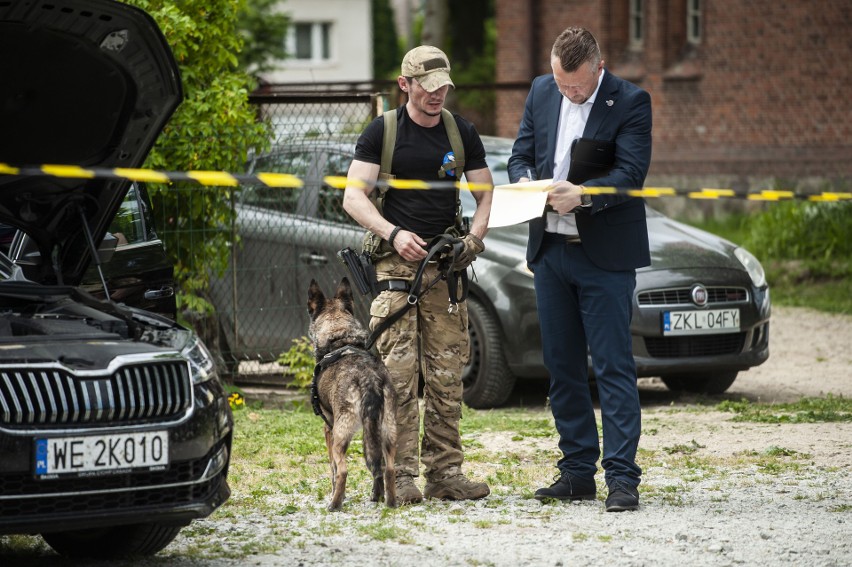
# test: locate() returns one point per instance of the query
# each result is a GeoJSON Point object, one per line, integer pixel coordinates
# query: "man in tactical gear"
{"type": "Point", "coordinates": [429, 144]}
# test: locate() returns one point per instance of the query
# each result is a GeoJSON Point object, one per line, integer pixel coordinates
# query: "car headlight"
{"type": "Point", "coordinates": [200, 361]}
{"type": "Point", "coordinates": [752, 266]}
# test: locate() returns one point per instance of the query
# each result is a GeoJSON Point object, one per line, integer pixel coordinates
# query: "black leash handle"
{"type": "Point", "coordinates": [414, 292]}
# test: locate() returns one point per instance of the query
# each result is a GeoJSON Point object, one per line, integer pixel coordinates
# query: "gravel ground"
{"type": "Point", "coordinates": [711, 502]}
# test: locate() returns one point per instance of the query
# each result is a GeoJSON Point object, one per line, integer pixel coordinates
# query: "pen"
{"type": "Point", "coordinates": [529, 174]}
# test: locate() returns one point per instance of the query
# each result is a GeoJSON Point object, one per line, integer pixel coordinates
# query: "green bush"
{"type": "Point", "coordinates": [805, 248]}
{"type": "Point", "coordinates": [214, 128]}
{"type": "Point", "coordinates": [802, 231]}
{"type": "Point", "coordinates": [300, 362]}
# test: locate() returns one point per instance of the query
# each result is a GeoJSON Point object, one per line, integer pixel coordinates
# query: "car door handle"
{"type": "Point", "coordinates": [165, 291]}
{"type": "Point", "coordinates": [314, 259]}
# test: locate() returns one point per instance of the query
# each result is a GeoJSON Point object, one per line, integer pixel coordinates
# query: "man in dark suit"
{"type": "Point", "coordinates": [584, 252]}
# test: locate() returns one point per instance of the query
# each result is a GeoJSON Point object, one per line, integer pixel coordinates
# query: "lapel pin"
{"type": "Point", "coordinates": [610, 102]}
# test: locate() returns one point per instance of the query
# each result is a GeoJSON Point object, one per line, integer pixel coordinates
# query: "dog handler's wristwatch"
{"type": "Point", "coordinates": [585, 200]}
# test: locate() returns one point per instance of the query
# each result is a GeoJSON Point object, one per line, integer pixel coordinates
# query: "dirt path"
{"type": "Point", "coordinates": [810, 356]}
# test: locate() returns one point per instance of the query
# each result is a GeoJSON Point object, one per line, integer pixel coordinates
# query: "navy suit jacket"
{"type": "Point", "coordinates": [613, 230]}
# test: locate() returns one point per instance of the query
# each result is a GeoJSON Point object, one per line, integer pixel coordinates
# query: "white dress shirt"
{"type": "Point", "coordinates": [572, 122]}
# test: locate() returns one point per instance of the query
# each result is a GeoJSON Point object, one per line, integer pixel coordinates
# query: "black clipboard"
{"type": "Point", "coordinates": [590, 159]}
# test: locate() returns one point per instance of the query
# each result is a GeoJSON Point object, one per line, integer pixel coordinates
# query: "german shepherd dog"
{"type": "Point", "coordinates": [353, 389]}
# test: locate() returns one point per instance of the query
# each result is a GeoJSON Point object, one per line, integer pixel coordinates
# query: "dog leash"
{"type": "Point", "coordinates": [447, 272]}
{"type": "Point", "coordinates": [326, 361]}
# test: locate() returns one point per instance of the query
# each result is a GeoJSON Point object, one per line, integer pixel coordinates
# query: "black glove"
{"type": "Point", "coordinates": [472, 246]}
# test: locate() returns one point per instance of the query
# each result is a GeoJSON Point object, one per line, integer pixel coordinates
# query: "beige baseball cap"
{"type": "Point", "coordinates": [429, 65]}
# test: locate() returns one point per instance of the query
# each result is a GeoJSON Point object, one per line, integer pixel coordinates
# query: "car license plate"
{"type": "Point", "coordinates": [701, 322]}
{"type": "Point", "coordinates": [101, 454]}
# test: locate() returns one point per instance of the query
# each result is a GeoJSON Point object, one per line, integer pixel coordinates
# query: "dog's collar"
{"type": "Point", "coordinates": [327, 360]}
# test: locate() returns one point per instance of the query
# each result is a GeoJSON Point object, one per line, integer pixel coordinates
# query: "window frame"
{"type": "Point", "coordinates": [636, 25]}
{"type": "Point", "coordinates": [694, 22]}
{"type": "Point", "coordinates": [320, 38]}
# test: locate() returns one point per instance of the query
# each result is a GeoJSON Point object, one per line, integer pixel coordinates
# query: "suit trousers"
{"type": "Point", "coordinates": [580, 304]}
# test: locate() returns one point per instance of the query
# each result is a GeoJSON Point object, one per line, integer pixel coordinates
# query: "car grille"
{"type": "Point", "coordinates": [151, 391]}
{"type": "Point", "coordinates": [683, 296]}
{"type": "Point", "coordinates": [706, 345]}
{"type": "Point", "coordinates": [22, 496]}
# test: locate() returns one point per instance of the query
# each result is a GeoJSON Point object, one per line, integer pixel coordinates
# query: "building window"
{"type": "Point", "coordinates": [310, 41]}
{"type": "Point", "coordinates": [693, 21]}
{"type": "Point", "coordinates": [637, 23]}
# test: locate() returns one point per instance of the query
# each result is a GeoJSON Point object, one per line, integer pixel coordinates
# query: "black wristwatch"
{"type": "Point", "coordinates": [585, 200]}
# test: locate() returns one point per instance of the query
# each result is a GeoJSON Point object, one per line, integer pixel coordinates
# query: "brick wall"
{"type": "Point", "coordinates": [763, 95]}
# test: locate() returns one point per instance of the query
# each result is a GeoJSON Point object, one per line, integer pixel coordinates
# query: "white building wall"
{"type": "Point", "coordinates": [348, 57]}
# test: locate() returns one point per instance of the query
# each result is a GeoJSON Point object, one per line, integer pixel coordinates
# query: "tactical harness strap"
{"type": "Point", "coordinates": [446, 267]}
{"type": "Point", "coordinates": [373, 245]}
{"type": "Point", "coordinates": [389, 143]}
{"type": "Point", "coordinates": [321, 365]}
{"type": "Point", "coordinates": [440, 242]}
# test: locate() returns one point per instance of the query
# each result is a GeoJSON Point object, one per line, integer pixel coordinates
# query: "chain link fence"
{"type": "Point", "coordinates": [278, 239]}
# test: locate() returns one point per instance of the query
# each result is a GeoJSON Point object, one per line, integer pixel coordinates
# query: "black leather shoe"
{"type": "Point", "coordinates": [569, 487]}
{"type": "Point", "coordinates": [622, 497]}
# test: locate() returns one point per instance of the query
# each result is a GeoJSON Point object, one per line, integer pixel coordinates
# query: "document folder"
{"type": "Point", "coordinates": [590, 159]}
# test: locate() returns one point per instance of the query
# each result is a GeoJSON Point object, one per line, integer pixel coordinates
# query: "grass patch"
{"type": "Point", "coordinates": [25, 545]}
{"type": "Point", "coordinates": [830, 409]}
{"type": "Point", "coordinates": [521, 422]}
{"type": "Point", "coordinates": [805, 249]}
{"type": "Point", "coordinates": [825, 285]}
{"type": "Point", "coordinates": [686, 449]}
{"type": "Point", "coordinates": [382, 531]}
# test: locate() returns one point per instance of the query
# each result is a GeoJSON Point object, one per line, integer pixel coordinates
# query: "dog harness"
{"type": "Point", "coordinates": [326, 361]}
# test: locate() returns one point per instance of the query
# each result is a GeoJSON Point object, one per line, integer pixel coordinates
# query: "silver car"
{"type": "Point", "coordinates": [701, 310]}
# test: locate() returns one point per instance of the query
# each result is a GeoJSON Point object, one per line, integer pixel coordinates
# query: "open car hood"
{"type": "Point", "coordinates": [88, 83]}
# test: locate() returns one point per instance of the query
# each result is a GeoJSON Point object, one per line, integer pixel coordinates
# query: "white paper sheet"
{"type": "Point", "coordinates": [518, 202]}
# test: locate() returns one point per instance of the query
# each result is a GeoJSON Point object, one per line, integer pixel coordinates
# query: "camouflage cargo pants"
{"type": "Point", "coordinates": [441, 339]}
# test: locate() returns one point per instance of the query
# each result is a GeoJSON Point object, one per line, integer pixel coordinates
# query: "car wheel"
{"type": "Point", "coordinates": [703, 383]}
{"type": "Point", "coordinates": [113, 542]}
{"type": "Point", "coordinates": [487, 380]}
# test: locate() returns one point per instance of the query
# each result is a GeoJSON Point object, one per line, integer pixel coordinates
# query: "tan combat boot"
{"type": "Point", "coordinates": [457, 488]}
{"type": "Point", "coordinates": [406, 491]}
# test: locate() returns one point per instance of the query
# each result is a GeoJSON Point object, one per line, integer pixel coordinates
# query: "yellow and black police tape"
{"type": "Point", "coordinates": [271, 179]}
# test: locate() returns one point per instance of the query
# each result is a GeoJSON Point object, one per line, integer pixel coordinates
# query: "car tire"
{"type": "Point", "coordinates": [113, 542]}
{"type": "Point", "coordinates": [703, 383]}
{"type": "Point", "coordinates": [487, 380]}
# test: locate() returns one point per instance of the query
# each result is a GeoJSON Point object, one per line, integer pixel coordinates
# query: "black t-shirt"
{"type": "Point", "coordinates": [419, 154]}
